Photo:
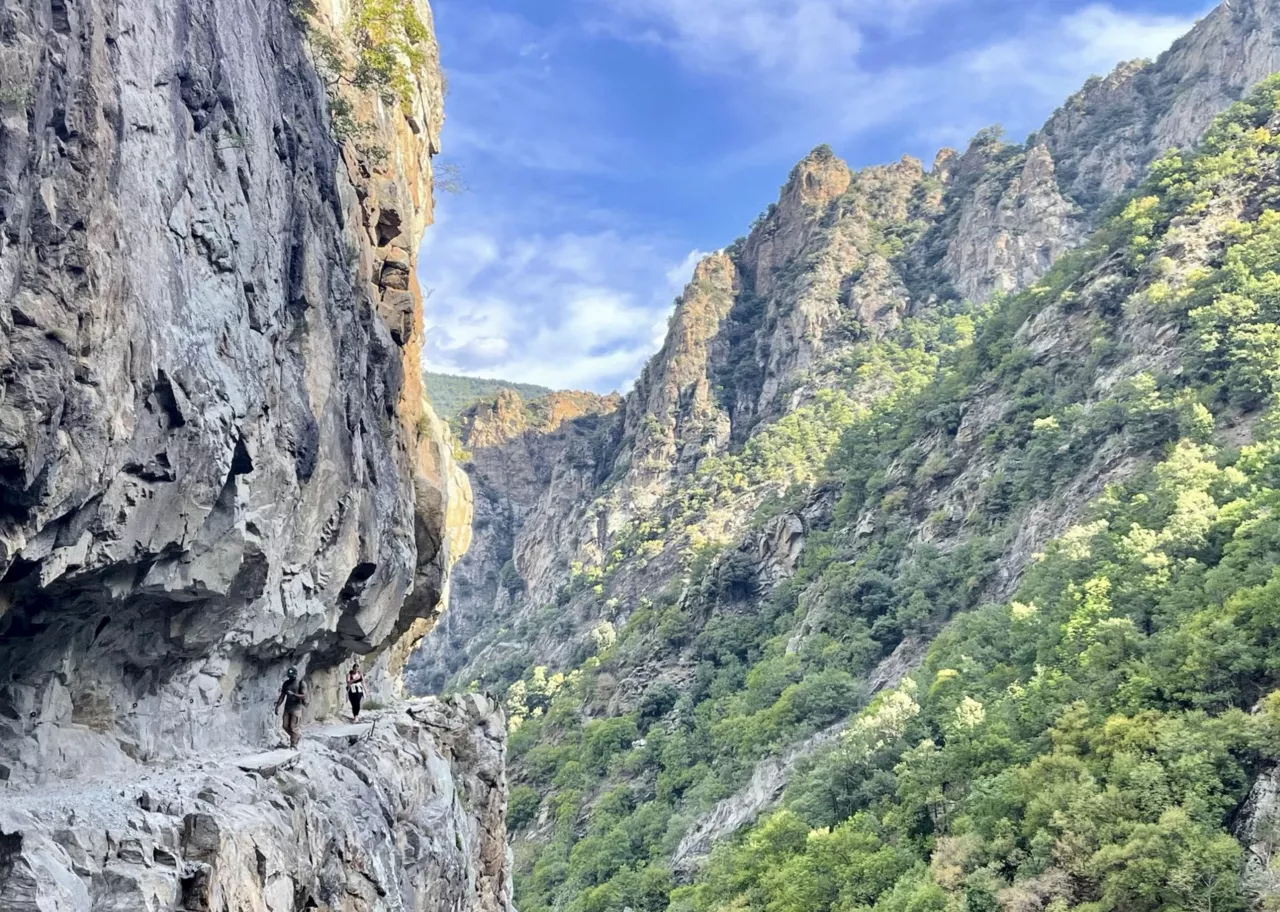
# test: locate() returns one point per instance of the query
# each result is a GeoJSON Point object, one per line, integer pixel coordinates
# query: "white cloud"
{"type": "Point", "coordinates": [829, 68]}
{"type": "Point", "coordinates": [565, 310]}
{"type": "Point", "coordinates": [1051, 57]}
{"type": "Point", "coordinates": [534, 280]}
{"type": "Point", "coordinates": [679, 274]}
{"type": "Point", "coordinates": [791, 39]}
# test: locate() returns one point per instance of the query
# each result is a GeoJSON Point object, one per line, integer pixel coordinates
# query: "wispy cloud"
{"type": "Point", "coordinates": [847, 66]}
{"type": "Point", "coordinates": [790, 40]}
{"type": "Point", "coordinates": [566, 310]}
{"type": "Point", "coordinates": [1050, 56]}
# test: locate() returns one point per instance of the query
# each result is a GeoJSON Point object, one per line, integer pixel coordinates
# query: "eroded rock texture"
{"type": "Point", "coordinates": [214, 456]}
{"type": "Point", "coordinates": [407, 813]}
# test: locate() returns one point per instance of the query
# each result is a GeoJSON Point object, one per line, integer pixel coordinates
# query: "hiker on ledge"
{"type": "Point", "coordinates": [294, 696]}
{"type": "Point", "coordinates": [355, 690]}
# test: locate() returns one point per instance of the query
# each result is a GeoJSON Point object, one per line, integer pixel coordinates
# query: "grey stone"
{"type": "Point", "coordinates": [214, 457]}
{"type": "Point", "coordinates": [399, 836]}
{"type": "Point", "coordinates": [270, 763]}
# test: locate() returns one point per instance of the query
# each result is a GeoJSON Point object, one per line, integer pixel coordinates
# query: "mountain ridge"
{"type": "Point", "coordinates": [1003, 222]}
{"type": "Point", "coordinates": [452, 394]}
{"type": "Point", "coordinates": [805, 456]}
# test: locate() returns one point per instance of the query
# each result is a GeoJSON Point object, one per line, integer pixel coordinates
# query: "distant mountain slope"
{"type": "Point", "coordinates": [871, 416]}
{"type": "Point", "coordinates": [451, 394]}
{"type": "Point", "coordinates": [512, 446]}
{"type": "Point", "coordinates": [1072, 492]}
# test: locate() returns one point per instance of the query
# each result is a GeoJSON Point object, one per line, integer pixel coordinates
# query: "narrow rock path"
{"type": "Point", "coordinates": [403, 811]}
{"type": "Point", "coordinates": [109, 796]}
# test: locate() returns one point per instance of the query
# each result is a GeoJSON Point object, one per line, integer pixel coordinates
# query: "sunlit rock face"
{"type": "Point", "coordinates": [841, 258]}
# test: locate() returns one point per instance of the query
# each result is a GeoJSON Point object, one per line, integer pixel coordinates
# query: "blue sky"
{"type": "Point", "coordinates": [605, 144]}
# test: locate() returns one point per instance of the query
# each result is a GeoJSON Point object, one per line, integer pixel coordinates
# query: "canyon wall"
{"type": "Point", "coordinates": [217, 461]}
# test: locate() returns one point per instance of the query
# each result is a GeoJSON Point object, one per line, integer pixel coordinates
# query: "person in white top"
{"type": "Point", "coordinates": [355, 690]}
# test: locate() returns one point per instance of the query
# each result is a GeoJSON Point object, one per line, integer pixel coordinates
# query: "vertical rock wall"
{"type": "Point", "coordinates": [215, 459]}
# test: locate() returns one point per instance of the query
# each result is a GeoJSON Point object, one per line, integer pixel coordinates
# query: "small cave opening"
{"type": "Point", "coordinates": [388, 227]}
{"type": "Point", "coordinates": [241, 462]}
{"type": "Point", "coordinates": [166, 402]}
{"type": "Point", "coordinates": [18, 570]}
{"type": "Point", "coordinates": [357, 579]}
{"type": "Point", "coordinates": [196, 886]}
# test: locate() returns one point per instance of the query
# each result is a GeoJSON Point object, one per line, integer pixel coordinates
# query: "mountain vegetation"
{"type": "Point", "coordinates": [451, 394]}
{"type": "Point", "coordinates": [927, 564]}
{"type": "Point", "coordinates": [1086, 743]}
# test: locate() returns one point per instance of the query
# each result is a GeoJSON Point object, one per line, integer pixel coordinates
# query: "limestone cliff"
{"type": "Point", "coordinates": [216, 460]}
{"type": "Point", "coordinates": [1104, 136]}
{"type": "Point", "coordinates": [214, 455]}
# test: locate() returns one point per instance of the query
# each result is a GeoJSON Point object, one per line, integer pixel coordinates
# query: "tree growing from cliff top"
{"type": "Point", "coordinates": [381, 52]}
{"type": "Point", "coordinates": [388, 36]}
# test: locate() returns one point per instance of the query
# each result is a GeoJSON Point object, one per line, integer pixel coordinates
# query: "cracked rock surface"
{"type": "Point", "coordinates": [405, 813]}
{"type": "Point", "coordinates": [215, 462]}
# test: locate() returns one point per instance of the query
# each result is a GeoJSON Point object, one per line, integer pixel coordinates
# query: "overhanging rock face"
{"type": "Point", "coordinates": [215, 459]}
{"type": "Point", "coordinates": [215, 462]}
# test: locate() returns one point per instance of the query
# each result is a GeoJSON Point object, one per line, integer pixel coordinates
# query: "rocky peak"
{"type": "Point", "coordinates": [838, 282]}
{"type": "Point", "coordinates": [882, 193]}
{"type": "Point", "coordinates": [672, 415]}
{"type": "Point", "coordinates": [1105, 135]}
{"type": "Point", "coordinates": [1017, 209]}
{"type": "Point", "coordinates": [944, 165]}
{"type": "Point", "coordinates": [816, 180]}
{"type": "Point", "coordinates": [492, 423]}
{"type": "Point", "coordinates": [780, 235]}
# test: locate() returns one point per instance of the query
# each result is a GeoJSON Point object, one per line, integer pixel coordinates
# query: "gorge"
{"type": "Point", "coordinates": [931, 564]}
{"type": "Point", "coordinates": [909, 575]}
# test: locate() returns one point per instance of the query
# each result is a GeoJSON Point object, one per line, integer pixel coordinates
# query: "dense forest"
{"type": "Point", "coordinates": [1088, 742]}
{"type": "Point", "coordinates": [451, 394]}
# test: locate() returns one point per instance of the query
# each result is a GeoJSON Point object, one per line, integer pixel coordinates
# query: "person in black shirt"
{"type": "Point", "coordinates": [293, 694]}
